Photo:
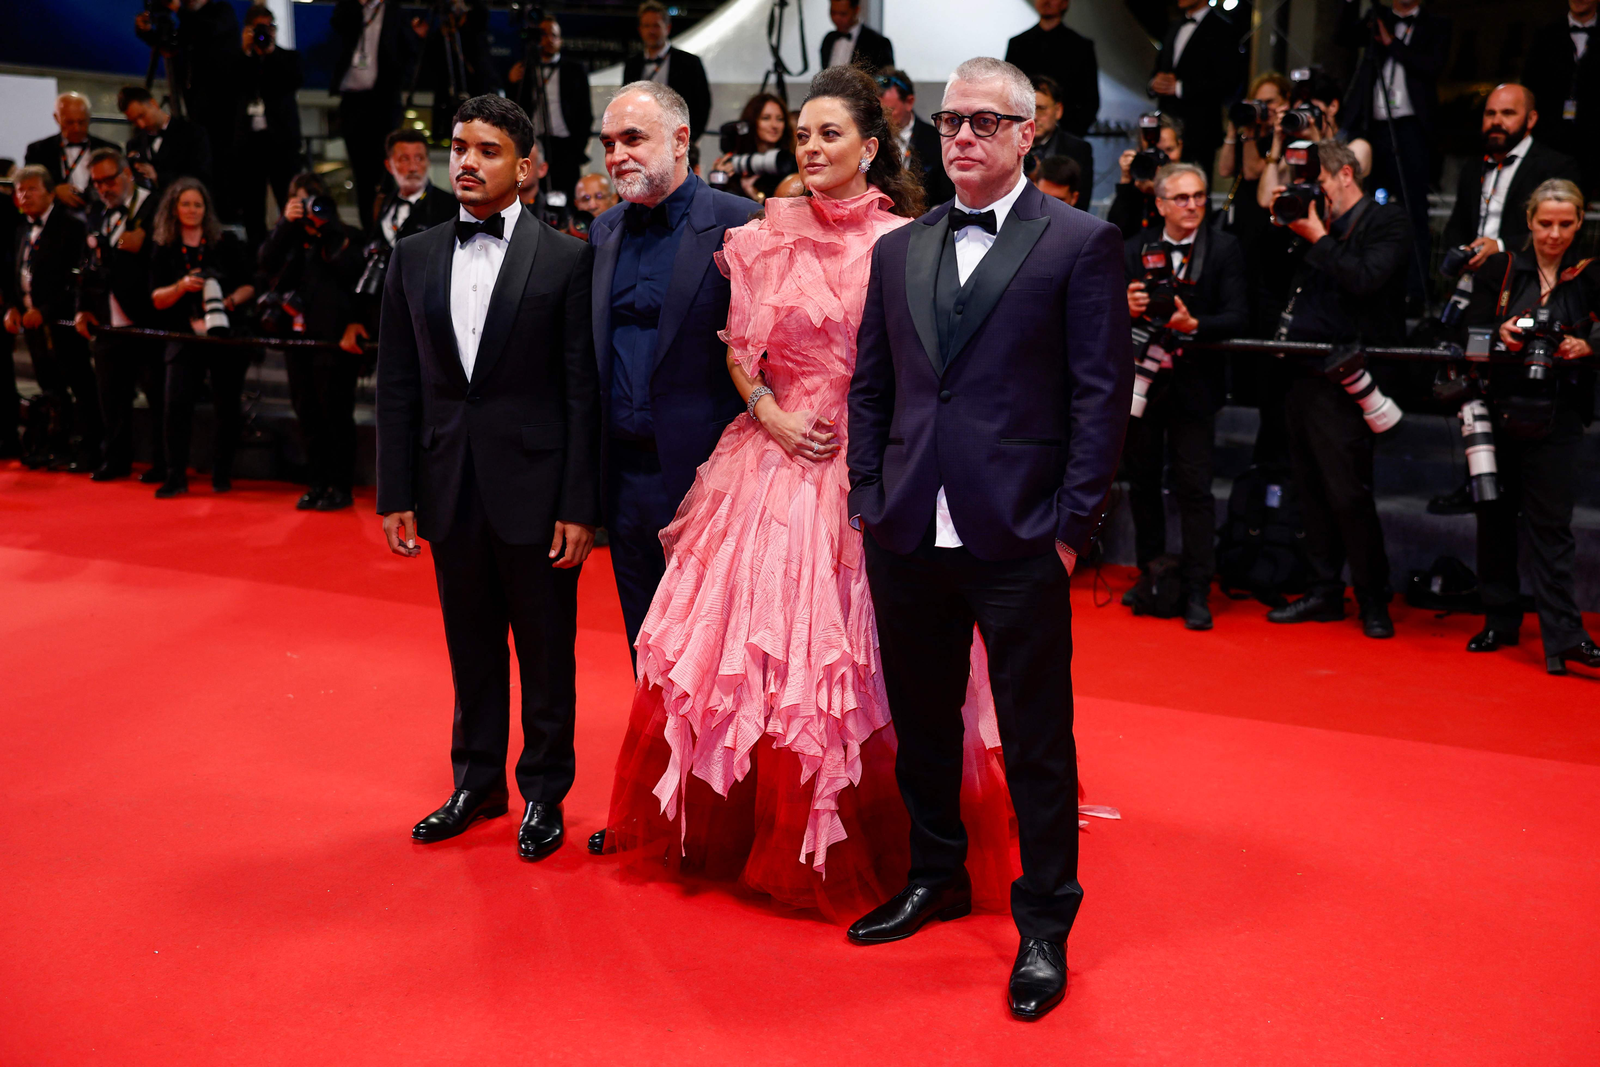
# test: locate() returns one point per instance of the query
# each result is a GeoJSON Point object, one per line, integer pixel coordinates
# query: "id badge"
{"type": "Point", "coordinates": [1569, 111]}
{"type": "Point", "coordinates": [1285, 321]}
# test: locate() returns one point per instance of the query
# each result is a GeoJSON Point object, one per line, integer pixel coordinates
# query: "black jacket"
{"type": "Point", "coordinates": [46, 153]}
{"type": "Point", "coordinates": [1555, 74]}
{"type": "Point", "coordinates": [1212, 70]}
{"type": "Point", "coordinates": [531, 409]}
{"type": "Point", "coordinates": [1540, 164]}
{"type": "Point", "coordinates": [1069, 58]}
{"type": "Point", "coordinates": [397, 44]}
{"type": "Point", "coordinates": [1065, 143]}
{"type": "Point", "coordinates": [436, 205]}
{"type": "Point", "coordinates": [108, 271]}
{"type": "Point", "coordinates": [185, 152]}
{"type": "Point", "coordinates": [229, 260]}
{"type": "Point", "coordinates": [873, 50]}
{"type": "Point", "coordinates": [54, 258]}
{"type": "Point", "coordinates": [479, 75]}
{"type": "Point", "coordinates": [1422, 61]}
{"type": "Point", "coordinates": [273, 79]}
{"type": "Point", "coordinates": [208, 46]}
{"type": "Point", "coordinates": [1216, 293]}
{"type": "Point", "coordinates": [1361, 277]}
{"type": "Point", "coordinates": [1133, 212]}
{"type": "Point", "coordinates": [576, 111]}
{"type": "Point", "coordinates": [323, 271]}
{"type": "Point", "coordinates": [926, 146]}
{"type": "Point", "coordinates": [687, 76]}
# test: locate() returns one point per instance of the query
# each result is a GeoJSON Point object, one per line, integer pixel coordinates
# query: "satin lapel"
{"type": "Point", "coordinates": [508, 290]}
{"type": "Point", "coordinates": [922, 272]}
{"type": "Point", "coordinates": [437, 305]}
{"type": "Point", "coordinates": [1197, 258]}
{"type": "Point", "coordinates": [605, 268]}
{"type": "Point", "coordinates": [695, 248]}
{"type": "Point", "coordinates": [1000, 264]}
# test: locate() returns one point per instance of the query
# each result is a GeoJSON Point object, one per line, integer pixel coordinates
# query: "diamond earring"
{"type": "Point", "coordinates": [866, 164]}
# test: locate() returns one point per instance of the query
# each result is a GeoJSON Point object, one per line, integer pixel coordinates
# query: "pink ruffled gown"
{"type": "Point", "coordinates": [759, 745]}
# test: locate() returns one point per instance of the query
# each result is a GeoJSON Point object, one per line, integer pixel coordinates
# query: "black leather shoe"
{"type": "Point", "coordinates": [465, 807]}
{"type": "Point", "coordinates": [110, 472]}
{"type": "Point", "coordinates": [1197, 610]}
{"type": "Point", "coordinates": [597, 843]}
{"type": "Point", "coordinates": [542, 831]}
{"type": "Point", "coordinates": [1038, 978]}
{"type": "Point", "coordinates": [84, 463]}
{"type": "Point", "coordinates": [153, 476]}
{"type": "Point", "coordinates": [1375, 621]}
{"type": "Point", "coordinates": [911, 909]}
{"type": "Point", "coordinates": [1490, 639]}
{"type": "Point", "coordinates": [308, 500]}
{"type": "Point", "coordinates": [1584, 652]}
{"type": "Point", "coordinates": [1312, 608]}
{"type": "Point", "coordinates": [1458, 502]}
{"type": "Point", "coordinates": [172, 487]}
{"type": "Point", "coordinates": [221, 483]}
{"type": "Point", "coordinates": [335, 500]}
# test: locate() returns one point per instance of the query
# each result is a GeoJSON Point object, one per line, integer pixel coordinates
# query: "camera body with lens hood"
{"type": "Point", "coordinates": [1152, 340]}
{"type": "Point", "coordinates": [1149, 158]}
{"type": "Point", "coordinates": [1304, 189]}
{"type": "Point", "coordinates": [1346, 367]}
{"type": "Point", "coordinates": [1541, 335]}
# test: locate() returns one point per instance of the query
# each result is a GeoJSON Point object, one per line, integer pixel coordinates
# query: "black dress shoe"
{"type": "Point", "coordinates": [597, 843]}
{"type": "Point", "coordinates": [1490, 639]}
{"type": "Point", "coordinates": [110, 472]}
{"type": "Point", "coordinates": [1584, 652]}
{"type": "Point", "coordinates": [85, 463]}
{"type": "Point", "coordinates": [153, 476]}
{"type": "Point", "coordinates": [308, 500]}
{"type": "Point", "coordinates": [1038, 978]}
{"type": "Point", "coordinates": [911, 909]}
{"type": "Point", "coordinates": [465, 807]}
{"type": "Point", "coordinates": [541, 832]}
{"type": "Point", "coordinates": [1458, 502]}
{"type": "Point", "coordinates": [172, 487]}
{"type": "Point", "coordinates": [1197, 610]}
{"type": "Point", "coordinates": [221, 483]}
{"type": "Point", "coordinates": [1314, 607]}
{"type": "Point", "coordinates": [1375, 621]}
{"type": "Point", "coordinates": [335, 500]}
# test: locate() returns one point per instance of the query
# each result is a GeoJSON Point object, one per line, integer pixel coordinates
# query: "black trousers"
{"type": "Point", "coordinates": [927, 603]}
{"type": "Point", "coordinates": [322, 388]}
{"type": "Point", "coordinates": [637, 507]}
{"type": "Point", "coordinates": [62, 368]}
{"type": "Point", "coordinates": [365, 119]}
{"type": "Point", "coordinates": [1538, 482]}
{"type": "Point", "coordinates": [1181, 445]}
{"type": "Point", "coordinates": [1330, 448]}
{"type": "Point", "coordinates": [485, 587]}
{"type": "Point", "coordinates": [10, 399]}
{"type": "Point", "coordinates": [262, 165]}
{"type": "Point", "coordinates": [188, 366]}
{"type": "Point", "coordinates": [1406, 174]}
{"type": "Point", "coordinates": [124, 365]}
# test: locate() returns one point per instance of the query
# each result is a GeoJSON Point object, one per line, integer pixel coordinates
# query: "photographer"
{"type": "Point", "coordinates": [66, 156]}
{"type": "Point", "coordinates": [1199, 69]}
{"type": "Point", "coordinates": [1315, 97]}
{"type": "Point", "coordinates": [757, 149]}
{"type": "Point", "coordinates": [164, 147]}
{"type": "Point", "coordinates": [1133, 205]}
{"type": "Point", "coordinates": [314, 266]}
{"type": "Point", "coordinates": [1345, 290]}
{"type": "Point", "coordinates": [266, 130]}
{"type": "Point", "coordinates": [114, 290]}
{"type": "Point", "coordinates": [200, 274]}
{"type": "Point", "coordinates": [377, 58]}
{"type": "Point", "coordinates": [554, 90]}
{"type": "Point", "coordinates": [1049, 138]}
{"type": "Point", "coordinates": [1200, 270]}
{"type": "Point", "coordinates": [1538, 426]}
{"type": "Point", "coordinates": [594, 195]}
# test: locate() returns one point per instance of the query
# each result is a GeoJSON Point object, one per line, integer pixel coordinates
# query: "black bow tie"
{"type": "Point", "coordinates": [960, 220]}
{"type": "Point", "coordinates": [1192, 19]}
{"type": "Point", "coordinates": [1579, 29]}
{"type": "Point", "coordinates": [494, 226]}
{"type": "Point", "coordinates": [1405, 20]}
{"type": "Point", "coordinates": [637, 218]}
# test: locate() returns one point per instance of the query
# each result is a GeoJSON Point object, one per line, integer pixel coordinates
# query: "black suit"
{"type": "Point", "coordinates": [208, 45]}
{"type": "Point", "coordinates": [434, 206]}
{"type": "Point", "coordinates": [1212, 72]}
{"type": "Point", "coordinates": [926, 146]}
{"type": "Point", "coordinates": [565, 155]}
{"type": "Point", "coordinates": [1068, 57]}
{"type": "Point", "coordinates": [123, 363]}
{"type": "Point", "coordinates": [1540, 164]}
{"type": "Point", "coordinates": [368, 116]}
{"type": "Point", "coordinates": [1010, 392]}
{"type": "Point", "coordinates": [873, 50]}
{"type": "Point", "coordinates": [272, 156]}
{"type": "Point", "coordinates": [490, 464]}
{"type": "Point", "coordinates": [185, 152]}
{"type": "Point", "coordinates": [1556, 75]}
{"type": "Point", "coordinates": [1063, 142]}
{"type": "Point", "coordinates": [10, 401]}
{"type": "Point", "coordinates": [686, 75]}
{"type": "Point", "coordinates": [48, 152]}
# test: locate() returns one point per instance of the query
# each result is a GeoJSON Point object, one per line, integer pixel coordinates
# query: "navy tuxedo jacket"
{"type": "Point", "coordinates": [529, 418]}
{"type": "Point", "coordinates": [1022, 420]}
{"type": "Point", "coordinates": [692, 399]}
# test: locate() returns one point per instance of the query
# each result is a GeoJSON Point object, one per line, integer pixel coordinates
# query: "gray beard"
{"type": "Point", "coordinates": [646, 185]}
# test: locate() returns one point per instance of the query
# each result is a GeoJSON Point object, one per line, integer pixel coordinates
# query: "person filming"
{"type": "Point", "coordinates": [762, 154]}
{"type": "Point", "coordinates": [1133, 204]}
{"type": "Point", "coordinates": [1539, 302]}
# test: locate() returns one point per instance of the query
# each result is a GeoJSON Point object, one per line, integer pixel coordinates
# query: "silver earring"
{"type": "Point", "coordinates": [866, 164]}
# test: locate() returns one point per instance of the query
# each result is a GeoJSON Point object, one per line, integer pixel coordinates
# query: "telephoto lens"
{"type": "Point", "coordinates": [374, 269]}
{"type": "Point", "coordinates": [213, 311]}
{"type": "Point", "coordinates": [1348, 366]}
{"type": "Point", "coordinates": [323, 209]}
{"type": "Point", "coordinates": [1541, 336]}
{"type": "Point", "coordinates": [1304, 189]}
{"type": "Point", "coordinates": [1455, 261]}
{"type": "Point", "coordinates": [1477, 436]}
{"type": "Point", "coordinates": [1300, 119]}
{"type": "Point", "coordinates": [1250, 113]}
{"type": "Point", "coordinates": [1146, 365]}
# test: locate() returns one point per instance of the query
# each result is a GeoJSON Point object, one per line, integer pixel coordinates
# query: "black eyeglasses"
{"type": "Point", "coordinates": [984, 123]}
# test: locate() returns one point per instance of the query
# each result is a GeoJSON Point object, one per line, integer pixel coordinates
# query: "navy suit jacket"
{"type": "Point", "coordinates": [1023, 422]}
{"type": "Point", "coordinates": [692, 399]}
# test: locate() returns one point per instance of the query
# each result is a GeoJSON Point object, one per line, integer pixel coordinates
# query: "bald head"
{"type": "Point", "coordinates": [645, 134]}
{"type": "Point", "coordinates": [72, 115]}
{"type": "Point", "coordinates": [1508, 117]}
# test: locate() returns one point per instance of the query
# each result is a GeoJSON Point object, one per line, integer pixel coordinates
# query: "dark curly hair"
{"type": "Point", "coordinates": [857, 90]}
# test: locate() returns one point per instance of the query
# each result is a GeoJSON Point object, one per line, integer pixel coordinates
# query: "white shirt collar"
{"type": "Point", "coordinates": [413, 199]}
{"type": "Point", "coordinates": [510, 214]}
{"type": "Point", "coordinates": [1521, 148]}
{"type": "Point", "coordinates": [1001, 207]}
{"type": "Point", "coordinates": [904, 134]}
{"type": "Point", "coordinates": [46, 216]}
{"type": "Point", "coordinates": [1199, 16]}
{"type": "Point", "coordinates": [1167, 237]}
{"type": "Point", "coordinates": [854, 32]}
{"type": "Point", "coordinates": [1584, 25]}
{"type": "Point", "coordinates": [666, 47]}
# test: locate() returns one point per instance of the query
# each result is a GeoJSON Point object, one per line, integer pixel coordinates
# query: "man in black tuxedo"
{"type": "Point", "coordinates": [1563, 73]}
{"type": "Point", "coordinates": [489, 447]}
{"type": "Point", "coordinates": [680, 71]}
{"type": "Point", "coordinates": [415, 204]}
{"type": "Point", "coordinates": [853, 41]}
{"type": "Point", "coordinates": [1056, 52]}
{"type": "Point", "coordinates": [114, 290]}
{"type": "Point", "coordinates": [163, 146]}
{"type": "Point", "coordinates": [659, 302]}
{"type": "Point", "coordinates": [987, 411]}
{"type": "Point", "coordinates": [377, 58]}
{"type": "Point", "coordinates": [66, 155]}
{"type": "Point", "coordinates": [554, 90]}
{"type": "Point", "coordinates": [1199, 70]}
{"type": "Point", "coordinates": [266, 132]}
{"type": "Point", "coordinates": [1052, 139]}
{"type": "Point", "coordinates": [918, 140]}
{"type": "Point", "coordinates": [202, 71]}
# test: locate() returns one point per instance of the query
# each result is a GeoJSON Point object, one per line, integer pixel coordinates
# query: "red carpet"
{"type": "Point", "coordinates": [221, 717]}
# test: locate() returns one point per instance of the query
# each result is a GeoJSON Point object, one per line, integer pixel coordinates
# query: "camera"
{"type": "Point", "coordinates": [261, 36]}
{"type": "Point", "coordinates": [1455, 261]}
{"type": "Point", "coordinates": [1347, 366]}
{"type": "Point", "coordinates": [1149, 158]}
{"type": "Point", "coordinates": [321, 208]}
{"type": "Point", "coordinates": [730, 135]}
{"type": "Point", "coordinates": [1250, 113]}
{"type": "Point", "coordinates": [374, 268]}
{"type": "Point", "coordinates": [213, 312]}
{"type": "Point", "coordinates": [1303, 118]}
{"type": "Point", "coordinates": [282, 313]}
{"type": "Point", "coordinates": [1304, 188]}
{"type": "Point", "coordinates": [1541, 336]}
{"type": "Point", "coordinates": [1150, 335]}
{"type": "Point", "coordinates": [1477, 430]}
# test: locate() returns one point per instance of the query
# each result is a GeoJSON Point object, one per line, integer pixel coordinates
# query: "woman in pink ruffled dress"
{"type": "Point", "coordinates": [759, 745]}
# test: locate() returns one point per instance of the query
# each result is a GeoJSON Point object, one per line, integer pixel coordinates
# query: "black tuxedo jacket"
{"type": "Point", "coordinates": [1020, 416]}
{"type": "Point", "coordinates": [1069, 58]}
{"type": "Point", "coordinates": [436, 205]}
{"type": "Point", "coordinates": [46, 153]}
{"type": "Point", "coordinates": [397, 44]}
{"type": "Point", "coordinates": [274, 78]}
{"type": "Point", "coordinates": [927, 146]}
{"type": "Point", "coordinates": [59, 251]}
{"type": "Point", "coordinates": [185, 152]}
{"type": "Point", "coordinates": [1422, 61]}
{"type": "Point", "coordinates": [686, 75]}
{"type": "Point", "coordinates": [128, 273]}
{"type": "Point", "coordinates": [873, 50]}
{"type": "Point", "coordinates": [1065, 143]}
{"type": "Point", "coordinates": [1213, 71]}
{"type": "Point", "coordinates": [1540, 164]}
{"type": "Point", "coordinates": [1555, 74]}
{"type": "Point", "coordinates": [576, 110]}
{"type": "Point", "coordinates": [528, 420]}
{"type": "Point", "coordinates": [692, 399]}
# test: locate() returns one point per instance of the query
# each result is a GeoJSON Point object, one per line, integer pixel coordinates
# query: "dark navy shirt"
{"type": "Point", "coordinates": [638, 289]}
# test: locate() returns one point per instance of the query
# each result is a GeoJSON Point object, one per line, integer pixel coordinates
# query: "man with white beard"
{"type": "Point", "coordinates": [659, 302]}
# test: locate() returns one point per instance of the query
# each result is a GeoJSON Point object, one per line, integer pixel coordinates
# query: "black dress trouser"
{"type": "Point", "coordinates": [123, 366]}
{"type": "Point", "coordinates": [486, 587]}
{"type": "Point", "coordinates": [1167, 440]}
{"type": "Point", "coordinates": [927, 603]}
{"type": "Point", "coordinates": [322, 388]}
{"type": "Point", "coordinates": [61, 366]}
{"type": "Point", "coordinates": [1331, 449]}
{"type": "Point", "coordinates": [1538, 480]}
{"type": "Point", "coordinates": [365, 120]}
{"type": "Point", "coordinates": [187, 367]}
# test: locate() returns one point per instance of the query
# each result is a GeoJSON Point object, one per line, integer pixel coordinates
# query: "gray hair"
{"type": "Point", "coordinates": [34, 172]}
{"type": "Point", "coordinates": [75, 97]}
{"type": "Point", "coordinates": [1018, 89]}
{"type": "Point", "coordinates": [1172, 170]}
{"type": "Point", "coordinates": [670, 102]}
{"type": "Point", "coordinates": [1335, 156]}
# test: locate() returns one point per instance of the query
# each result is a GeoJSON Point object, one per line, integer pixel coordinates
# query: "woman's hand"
{"type": "Point", "coordinates": [191, 283]}
{"type": "Point", "coordinates": [724, 164]}
{"type": "Point", "coordinates": [1573, 348]}
{"type": "Point", "coordinates": [789, 430]}
{"type": "Point", "coordinates": [1510, 336]}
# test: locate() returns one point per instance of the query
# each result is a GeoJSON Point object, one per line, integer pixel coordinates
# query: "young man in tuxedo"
{"type": "Point", "coordinates": [916, 139]}
{"type": "Point", "coordinates": [853, 41]}
{"type": "Point", "coordinates": [489, 447]}
{"type": "Point", "coordinates": [987, 411]}
{"type": "Point", "coordinates": [66, 155]}
{"type": "Point", "coordinates": [554, 91]}
{"type": "Point", "coordinates": [163, 146]}
{"type": "Point", "coordinates": [1051, 49]}
{"type": "Point", "coordinates": [1198, 70]}
{"type": "Point", "coordinates": [680, 71]}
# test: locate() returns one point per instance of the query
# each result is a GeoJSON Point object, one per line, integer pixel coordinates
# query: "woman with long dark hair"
{"type": "Point", "coordinates": [760, 746]}
{"type": "Point", "coordinates": [764, 155]}
{"type": "Point", "coordinates": [193, 254]}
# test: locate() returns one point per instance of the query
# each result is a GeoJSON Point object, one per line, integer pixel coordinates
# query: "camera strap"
{"type": "Point", "coordinates": [1505, 291]}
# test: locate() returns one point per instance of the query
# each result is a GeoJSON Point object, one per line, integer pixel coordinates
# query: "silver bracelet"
{"type": "Point", "coordinates": [755, 395]}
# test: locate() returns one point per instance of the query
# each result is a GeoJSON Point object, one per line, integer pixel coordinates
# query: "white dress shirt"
{"type": "Point", "coordinates": [1580, 41]}
{"type": "Point", "coordinates": [844, 47]}
{"type": "Point", "coordinates": [1397, 101]}
{"type": "Point", "coordinates": [972, 244]}
{"type": "Point", "coordinates": [1496, 184]}
{"type": "Point", "coordinates": [25, 275]}
{"type": "Point", "coordinates": [75, 165]}
{"type": "Point", "coordinates": [363, 72]}
{"type": "Point", "coordinates": [1181, 41]}
{"type": "Point", "coordinates": [656, 64]}
{"type": "Point", "coordinates": [549, 74]}
{"type": "Point", "coordinates": [111, 236]}
{"type": "Point", "coordinates": [903, 139]}
{"type": "Point", "coordinates": [398, 213]}
{"type": "Point", "coordinates": [474, 268]}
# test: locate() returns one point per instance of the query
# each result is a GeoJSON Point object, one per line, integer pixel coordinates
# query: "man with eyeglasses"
{"type": "Point", "coordinates": [917, 140]}
{"type": "Point", "coordinates": [1177, 430]}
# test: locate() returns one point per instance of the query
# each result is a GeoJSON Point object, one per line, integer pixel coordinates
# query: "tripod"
{"type": "Point", "coordinates": [775, 43]}
{"type": "Point", "coordinates": [444, 18]}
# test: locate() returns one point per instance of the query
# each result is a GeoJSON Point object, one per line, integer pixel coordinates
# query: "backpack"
{"type": "Point", "coordinates": [1261, 546]}
{"type": "Point", "coordinates": [1160, 590]}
